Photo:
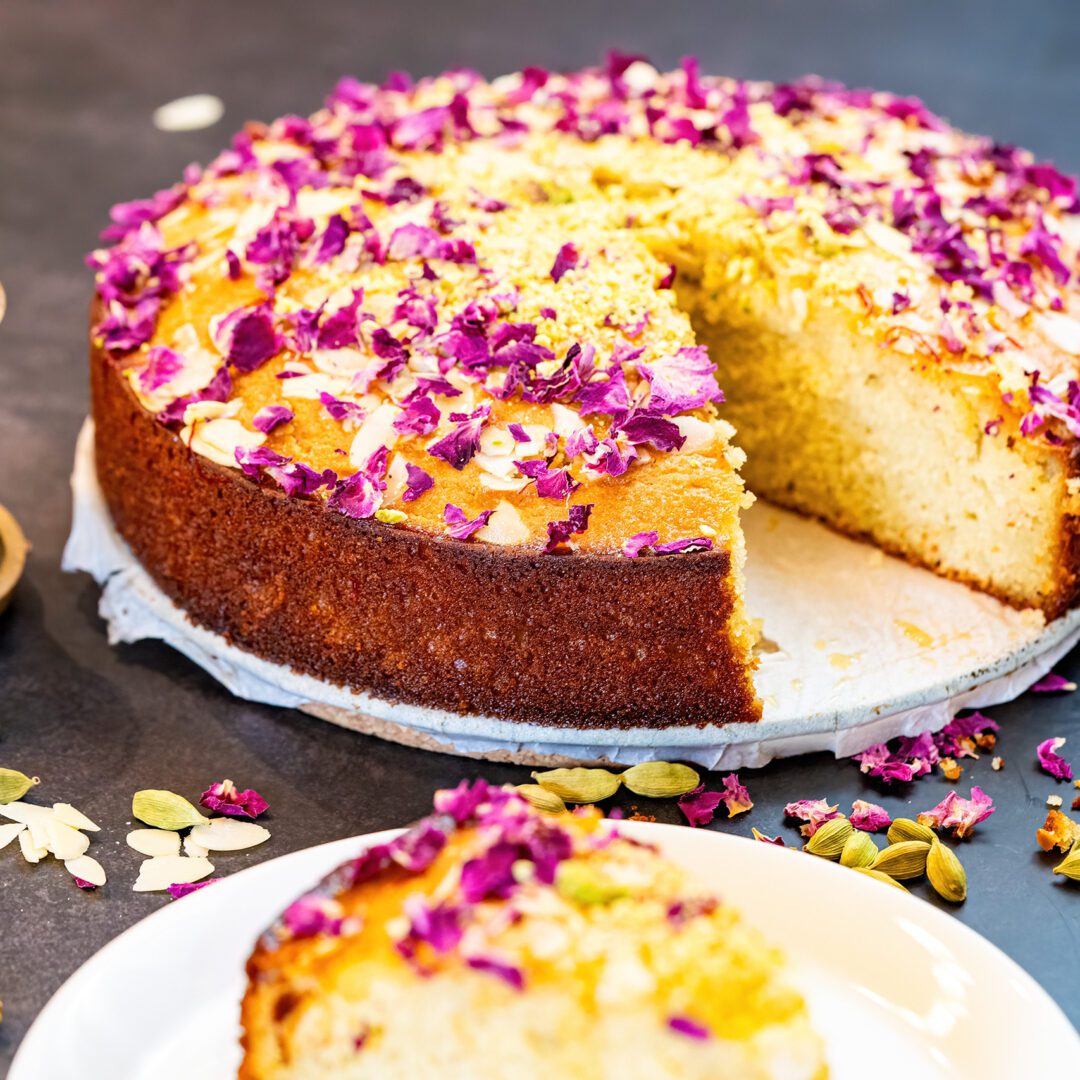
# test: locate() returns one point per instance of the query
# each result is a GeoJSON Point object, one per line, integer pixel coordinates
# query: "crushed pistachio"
{"type": "Point", "coordinates": [581, 883]}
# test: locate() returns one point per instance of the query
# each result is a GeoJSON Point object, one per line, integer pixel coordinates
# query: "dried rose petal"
{"type": "Point", "coordinates": [700, 805]}
{"type": "Point", "coordinates": [691, 1028]}
{"type": "Point", "coordinates": [311, 915]}
{"type": "Point", "coordinates": [225, 798]}
{"type": "Point", "coordinates": [815, 812]}
{"type": "Point", "coordinates": [1051, 761]}
{"type": "Point", "coordinates": [736, 797]}
{"type": "Point", "coordinates": [176, 891]}
{"type": "Point", "coordinates": [869, 816]}
{"type": "Point", "coordinates": [959, 814]}
{"type": "Point", "coordinates": [777, 840]}
{"type": "Point", "coordinates": [1052, 684]}
{"type": "Point", "coordinates": [509, 974]}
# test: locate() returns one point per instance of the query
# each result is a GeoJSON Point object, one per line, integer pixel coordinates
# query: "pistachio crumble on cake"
{"type": "Point", "coordinates": [422, 395]}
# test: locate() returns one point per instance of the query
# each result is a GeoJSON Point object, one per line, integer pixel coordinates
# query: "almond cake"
{"type": "Point", "coordinates": [454, 392]}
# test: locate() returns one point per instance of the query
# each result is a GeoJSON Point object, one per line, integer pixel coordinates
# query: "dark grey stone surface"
{"type": "Point", "coordinates": [78, 82]}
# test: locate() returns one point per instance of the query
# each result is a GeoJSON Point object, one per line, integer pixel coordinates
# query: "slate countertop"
{"type": "Point", "coordinates": [78, 84]}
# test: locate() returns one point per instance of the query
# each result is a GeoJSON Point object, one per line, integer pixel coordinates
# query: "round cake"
{"type": "Point", "coordinates": [494, 941]}
{"type": "Point", "coordinates": [425, 395]}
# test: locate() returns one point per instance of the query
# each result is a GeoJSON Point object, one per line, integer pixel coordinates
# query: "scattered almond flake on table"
{"type": "Point", "coordinates": [153, 842]}
{"type": "Point", "coordinates": [195, 850]}
{"type": "Point", "coordinates": [67, 813]}
{"type": "Point", "coordinates": [31, 852]}
{"type": "Point", "coordinates": [158, 873]}
{"type": "Point", "coordinates": [9, 832]}
{"type": "Point", "coordinates": [190, 113]}
{"type": "Point", "coordinates": [1054, 801]}
{"type": "Point", "coordinates": [86, 868]}
{"type": "Point", "coordinates": [65, 842]}
{"type": "Point", "coordinates": [229, 834]}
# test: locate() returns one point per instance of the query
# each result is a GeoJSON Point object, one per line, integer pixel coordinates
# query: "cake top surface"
{"type": "Point", "coordinates": [533, 902]}
{"type": "Point", "coordinates": [449, 303]}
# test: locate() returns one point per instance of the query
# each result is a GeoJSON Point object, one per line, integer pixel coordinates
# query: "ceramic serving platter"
{"type": "Point", "coordinates": [857, 647]}
{"type": "Point", "coordinates": [896, 988]}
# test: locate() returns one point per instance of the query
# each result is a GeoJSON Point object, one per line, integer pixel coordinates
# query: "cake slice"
{"type": "Point", "coordinates": [492, 941]}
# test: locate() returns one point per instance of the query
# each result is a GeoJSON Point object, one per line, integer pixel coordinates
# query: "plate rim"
{"type": "Point", "coordinates": [27, 1057]}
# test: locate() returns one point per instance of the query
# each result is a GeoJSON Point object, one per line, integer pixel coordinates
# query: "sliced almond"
{"type": "Point", "coordinates": [160, 872]}
{"type": "Point", "coordinates": [33, 817]}
{"type": "Point", "coordinates": [64, 841]}
{"type": "Point", "coordinates": [154, 842]}
{"type": "Point", "coordinates": [87, 868]}
{"type": "Point", "coordinates": [228, 834]}
{"type": "Point", "coordinates": [196, 851]}
{"type": "Point", "coordinates": [67, 813]}
{"type": "Point", "coordinates": [9, 832]}
{"type": "Point", "coordinates": [31, 852]}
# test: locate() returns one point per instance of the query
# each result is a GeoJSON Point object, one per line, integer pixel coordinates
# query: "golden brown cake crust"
{"type": "Point", "coordinates": [582, 641]}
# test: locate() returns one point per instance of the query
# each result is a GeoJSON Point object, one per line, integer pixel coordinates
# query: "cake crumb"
{"type": "Point", "coordinates": [950, 768]}
{"type": "Point", "coordinates": [998, 763]}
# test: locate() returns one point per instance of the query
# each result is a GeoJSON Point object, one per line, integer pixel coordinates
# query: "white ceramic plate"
{"type": "Point", "coordinates": [862, 648]}
{"type": "Point", "coordinates": [897, 988]}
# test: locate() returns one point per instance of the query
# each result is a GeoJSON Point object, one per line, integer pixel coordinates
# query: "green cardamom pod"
{"type": "Point", "coordinates": [1070, 865]}
{"type": "Point", "coordinates": [579, 785]}
{"type": "Point", "coordinates": [945, 873]}
{"type": "Point", "coordinates": [14, 784]}
{"type": "Point", "coordinates": [906, 829]}
{"type": "Point", "coordinates": [165, 810]}
{"type": "Point", "coordinates": [859, 849]}
{"type": "Point", "coordinates": [877, 875]}
{"type": "Point", "coordinates": [581, 883]}
{"type": "Point", "coordinates": [660, 779]}
{"type": "Point", "coordinates": [904, 860]}
{"type": "Point", "coordinates": [541, 799]}
{"type": "Point", "coordinates": [829, 840]}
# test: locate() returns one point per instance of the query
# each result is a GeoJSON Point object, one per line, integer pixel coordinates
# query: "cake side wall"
{"type": "Point", "coordinates": [584, 642]}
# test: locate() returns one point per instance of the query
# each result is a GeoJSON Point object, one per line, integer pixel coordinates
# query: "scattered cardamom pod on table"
{"type": "Point", "coordinates": [945, 873]}
{"type": "Point", "coordinates": [904, 860]}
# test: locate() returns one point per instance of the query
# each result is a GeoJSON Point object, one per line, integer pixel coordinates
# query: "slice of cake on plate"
{"type": "Point", "coordinates": [494, 941]}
